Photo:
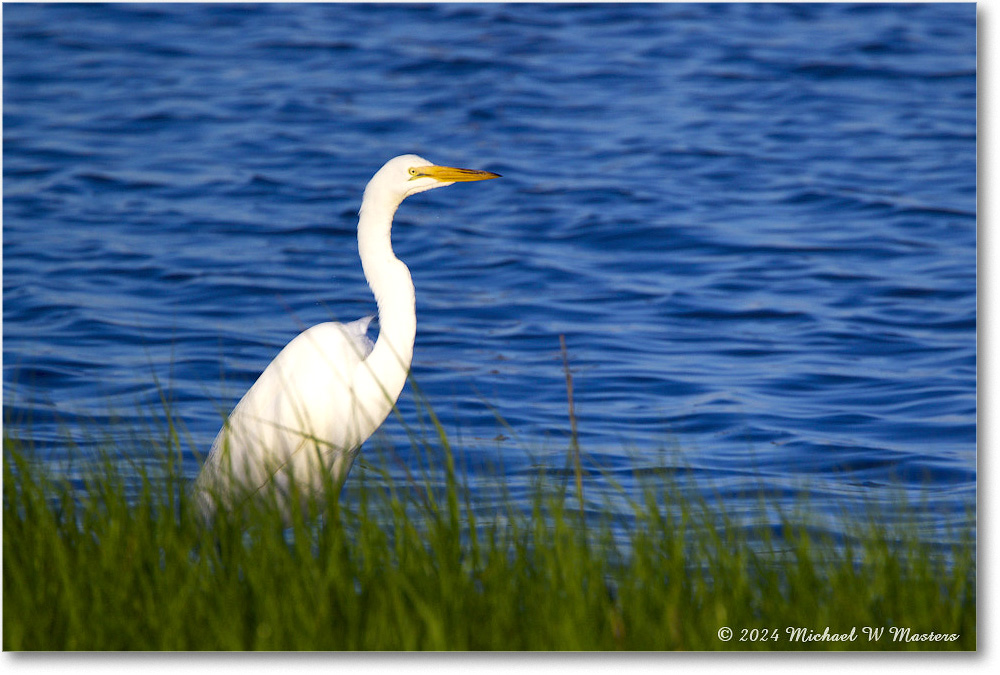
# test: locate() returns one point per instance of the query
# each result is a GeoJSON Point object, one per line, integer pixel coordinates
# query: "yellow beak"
{"type": "Point", "coordinates": [448, 174]}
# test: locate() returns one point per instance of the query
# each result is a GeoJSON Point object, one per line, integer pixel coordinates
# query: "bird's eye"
{"type": "Point", "coordinates": [413, 172]}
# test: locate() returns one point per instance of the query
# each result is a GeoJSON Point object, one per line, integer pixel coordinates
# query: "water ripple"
{"type": "Point", "coordinates": [754, 225]}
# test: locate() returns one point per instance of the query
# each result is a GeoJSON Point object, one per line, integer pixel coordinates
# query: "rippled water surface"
{"type": "Point", "coordinates": [755, 226]}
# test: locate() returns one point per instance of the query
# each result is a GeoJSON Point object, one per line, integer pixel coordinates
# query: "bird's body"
{"type": "Point", "coordinates": [330, 388]}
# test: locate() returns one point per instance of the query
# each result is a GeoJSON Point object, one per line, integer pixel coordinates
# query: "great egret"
{"type": "Point", "coordinates": [330, 388]}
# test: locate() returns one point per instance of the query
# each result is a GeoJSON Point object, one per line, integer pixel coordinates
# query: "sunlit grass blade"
{"type": "Point", "coordinates": [118, 558]}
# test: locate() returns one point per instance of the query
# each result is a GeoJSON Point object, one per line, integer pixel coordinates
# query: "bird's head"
{"type": "Point", "coordinates": [409, 174]}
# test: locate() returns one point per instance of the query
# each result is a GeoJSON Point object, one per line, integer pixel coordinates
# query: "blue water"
{"type": "Point", "coordinates": [754, 224]}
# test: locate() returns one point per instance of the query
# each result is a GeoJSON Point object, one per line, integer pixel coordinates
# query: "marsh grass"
{"type": "Point", "coordinates": [117, 559]}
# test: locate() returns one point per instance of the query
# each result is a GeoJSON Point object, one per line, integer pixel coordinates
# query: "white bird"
{"type": "Point", "coordinates": [330, 388]}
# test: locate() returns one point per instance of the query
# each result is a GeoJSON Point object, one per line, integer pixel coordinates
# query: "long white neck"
{"type": "Point", "coordinates": [382, 375]}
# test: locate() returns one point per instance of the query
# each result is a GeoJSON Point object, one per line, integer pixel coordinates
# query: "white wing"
{"type": "Point", "coordinates": [299, 418]}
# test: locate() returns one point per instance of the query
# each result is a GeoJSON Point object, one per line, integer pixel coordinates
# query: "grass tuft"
{"type": "Point", "coordinates": [120, 560]}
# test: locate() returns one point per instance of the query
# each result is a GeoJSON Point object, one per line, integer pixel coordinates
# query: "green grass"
{"type": "Point", "coordinates": [112, 564]}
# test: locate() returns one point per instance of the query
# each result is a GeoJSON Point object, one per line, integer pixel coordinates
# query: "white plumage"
{"type": "Point", "coordinates": [330, 388]}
